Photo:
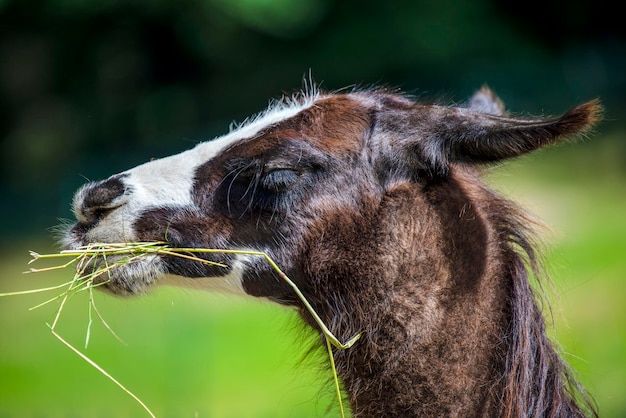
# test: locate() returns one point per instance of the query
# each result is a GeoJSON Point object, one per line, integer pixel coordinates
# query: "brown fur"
{"type": "Point", "coordinates": [442, 335]}
{"type": "Point", "coordinates": [374, 206]}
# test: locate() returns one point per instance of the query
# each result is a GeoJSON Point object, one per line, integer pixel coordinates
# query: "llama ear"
{"type": "Point", "coordinates": [486, 101]}
{"type": "Point", "coordinates": [456, 134]}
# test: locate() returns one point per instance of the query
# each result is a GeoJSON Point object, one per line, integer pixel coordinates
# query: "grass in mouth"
{"type": "Point", "coordinates": [97, 260]}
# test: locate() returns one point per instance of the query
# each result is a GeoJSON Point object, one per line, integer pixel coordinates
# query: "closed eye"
{"type": "Point", "coordinates": [253, 187]}
{"type": "Point", "coordinates": [279, 179]}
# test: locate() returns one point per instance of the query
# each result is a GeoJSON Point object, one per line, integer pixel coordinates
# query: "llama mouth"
{"type": "Point", "coordinates": [141, 275]}
{"type": "Point", "coordinates": [118, 274]}
{"type": "Point", "coordinates": [136, 274]}
{"type": "Point", "coordinates": [137, 271]}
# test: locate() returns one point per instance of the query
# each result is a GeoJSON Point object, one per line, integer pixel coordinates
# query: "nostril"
{"type": "Point", "coordinates": [96, 200]}
{"type": "Point", "coordinates": [97, 213]}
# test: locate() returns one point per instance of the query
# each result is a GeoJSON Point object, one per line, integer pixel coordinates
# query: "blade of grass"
{"type": "Point", "coordinates": [40, 290]}
{"type": "Point", "coordinates": [335, 378]}
{"type": "Point", "coordinates": [104, 372]}
{"type": "Point", "coordinates": [106, 325]}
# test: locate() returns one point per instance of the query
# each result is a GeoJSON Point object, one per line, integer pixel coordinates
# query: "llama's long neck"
{"type": "Point", "coordinates": [435, 308]}
{"type": "Point", "coordinates": [450, 366]}
{"type": "Point", "coordinates": [429, 306]}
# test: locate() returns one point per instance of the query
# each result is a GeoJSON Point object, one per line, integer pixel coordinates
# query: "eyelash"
{"type": "Point", "coordinates": [272, 177]}
{"type": "Point", "coordinates": [279, 179]}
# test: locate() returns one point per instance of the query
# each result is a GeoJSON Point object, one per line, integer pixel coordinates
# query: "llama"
{"type": "Point", "coordinates": [373, 205]}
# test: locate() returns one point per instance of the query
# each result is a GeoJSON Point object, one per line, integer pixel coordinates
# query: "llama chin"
{"type": "Point", "coordinates": [132, 278]}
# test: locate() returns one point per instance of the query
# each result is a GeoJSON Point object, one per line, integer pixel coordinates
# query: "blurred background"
{"type": "Point", "coordinates": [90, 88]}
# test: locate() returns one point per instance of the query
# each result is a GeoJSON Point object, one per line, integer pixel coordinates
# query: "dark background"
{"type": "Point", "coordinates": [90, 88]}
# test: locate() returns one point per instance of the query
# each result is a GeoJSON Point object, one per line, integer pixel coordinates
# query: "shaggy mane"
{"type": "Point", "coordinates": [536, 377]}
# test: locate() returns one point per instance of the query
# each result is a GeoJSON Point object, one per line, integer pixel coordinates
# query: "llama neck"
{"type": "Point", "coordinates": [450, 325]}
{"type": "Point", "coordinates": [440, 362]}
{"type": "Point", "coordinates": [431, 316]}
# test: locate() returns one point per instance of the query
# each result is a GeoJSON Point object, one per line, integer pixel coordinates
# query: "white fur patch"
{"type": "Point", "coordinates": [169, 181]}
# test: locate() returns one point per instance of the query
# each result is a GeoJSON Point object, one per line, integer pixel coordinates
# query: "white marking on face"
{"type": "Point", "coordinates": [169, 181]}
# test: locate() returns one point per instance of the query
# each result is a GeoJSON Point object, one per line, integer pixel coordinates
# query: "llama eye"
{"type": "Point", "coordinates": [279, 179]}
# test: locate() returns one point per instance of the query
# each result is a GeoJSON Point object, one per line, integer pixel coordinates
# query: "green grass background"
{"type": "Point", "coordinates": [194, 354]}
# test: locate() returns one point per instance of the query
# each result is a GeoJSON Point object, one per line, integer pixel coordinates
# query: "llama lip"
{"type": "Point", "coordinates": [124, 276]}
{"type": "Point", "coordinates": [72, 238]}
{"type": "Point", "coordinates": [116, 274]}
{"type": "Point", "coordinates": [127, 275]}
{"type": "Point", "coordinates": [139, 275]}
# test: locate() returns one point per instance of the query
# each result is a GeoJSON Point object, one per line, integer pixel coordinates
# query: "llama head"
{"type": "Point", "coordinates": [307, 169]}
